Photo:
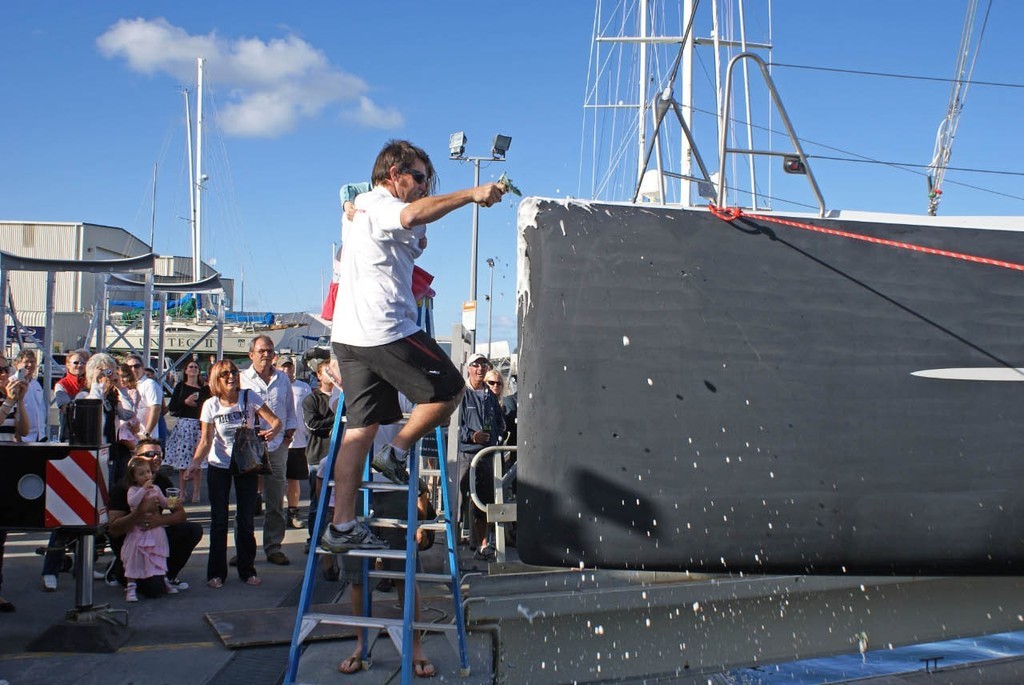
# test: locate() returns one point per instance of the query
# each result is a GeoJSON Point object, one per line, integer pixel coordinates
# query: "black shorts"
{"type": "Point", "coordinates": [416, 366]}
{"type": "Point", "coordinates": [296, 467]}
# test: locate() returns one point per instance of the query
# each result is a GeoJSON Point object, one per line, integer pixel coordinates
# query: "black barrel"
{"type": "Point", "coordinates": [86, 422]}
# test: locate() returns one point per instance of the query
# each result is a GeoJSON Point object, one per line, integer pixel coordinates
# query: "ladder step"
{"type": "Point", "coordinates": [383, 486]}
{"type": "Point", "coordinates": [400, 575]}
{"type": "Point", "coordinates": [377, 553]}
{"type": "Point", "coordinates": [375, 522]}
{"type": "Point", "coordinates": [374, 622]}
{"type": "Point", "coordinates": [430, 472]}
{"type": "Point", "coordinates": [378, 485]}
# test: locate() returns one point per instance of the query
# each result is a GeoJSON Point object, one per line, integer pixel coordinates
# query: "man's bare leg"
{"type": "Point", "coordinates": [348, 471]}
{"type": "Point", "coordinates": [425, 418]}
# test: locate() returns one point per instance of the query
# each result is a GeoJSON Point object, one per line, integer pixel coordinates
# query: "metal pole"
{"type": "Point", "coordinates": [472, 256]}
{"type": "Point", "coordinates": [490, 304]}
{"type": "Point", "coordinates": [197, 258]}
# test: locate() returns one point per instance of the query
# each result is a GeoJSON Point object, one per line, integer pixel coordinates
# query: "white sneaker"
{"type": "Point", "coordinates": [50, 583]}
{"type": "Point", "coordinates": [169, 586]}
{"type": "Point", "coordinates": [129, 593]}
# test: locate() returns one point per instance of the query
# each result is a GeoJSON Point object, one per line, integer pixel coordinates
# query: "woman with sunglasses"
{"type": "Point", "coordinates": [220, 418]}
{"type": "Point", "coordinates": [186, 402]}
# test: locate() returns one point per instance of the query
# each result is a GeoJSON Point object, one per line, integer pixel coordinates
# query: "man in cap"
{"type": "Point", "coordinates": [481, 424]}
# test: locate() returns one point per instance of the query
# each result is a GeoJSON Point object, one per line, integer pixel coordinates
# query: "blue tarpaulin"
{"type": "Point", "coordinates": [265, 318]}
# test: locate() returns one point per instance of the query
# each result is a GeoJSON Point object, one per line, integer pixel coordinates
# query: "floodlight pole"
{"type": "Point", "coordinates": [475, 239]}
{"type": "Point", "coordinates": [475, 236]}
{"type": "Point", "coordinates": [490, 304]}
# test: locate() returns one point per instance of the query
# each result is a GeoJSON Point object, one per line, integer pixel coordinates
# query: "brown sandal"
{"type": "Point", "coordinates": [424, 669]}
{"type": "Point", "coordinates": [351, 665]}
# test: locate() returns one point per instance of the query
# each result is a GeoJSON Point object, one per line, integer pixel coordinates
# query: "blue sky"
{"type": "Point", "coordinates": [303, 95]}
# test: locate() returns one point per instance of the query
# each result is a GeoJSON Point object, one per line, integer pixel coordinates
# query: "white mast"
{"type": "Point", "coordinates": [197, 243]}
{"type": "Point", "coordinates": [191, 183]}
{"type": "Point", "coordinates": [686, 162]}
{"type": "Point", "coordinates": [642, 92]}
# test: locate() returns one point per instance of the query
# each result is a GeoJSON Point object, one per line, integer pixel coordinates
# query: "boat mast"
{"type": "Point", "coordinates": [197, 246]}
{"type": "Point", "coordinates": [191, 182]}
{"type": "Point", "coordinates": [642, 94]}
{"type": "Point", "coordinates": [686, 85]}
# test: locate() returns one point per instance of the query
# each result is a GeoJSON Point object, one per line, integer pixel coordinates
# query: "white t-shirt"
{"type": "Point", "coordinates": [375, 304]}
{"type": "Point", "coordinates": [151, 395]}
{"type": "Point", "coordinates": [226, 420]}
{"type": "Point", "coordinates": [35, 411]}
{"type": "Point", "coordinates": [299, 391]}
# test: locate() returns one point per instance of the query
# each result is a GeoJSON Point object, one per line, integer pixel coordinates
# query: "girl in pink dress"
{"type": "Point", "coordinates": [144, 551]}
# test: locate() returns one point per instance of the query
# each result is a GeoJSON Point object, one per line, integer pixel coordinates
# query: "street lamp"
{"type": "Point", "coordinates": [490, 304]}
{"type": "Point", "coordinates": [456, 151]}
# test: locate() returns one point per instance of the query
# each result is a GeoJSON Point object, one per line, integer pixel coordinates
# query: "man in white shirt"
{"type": "Point", "coordinates": [151, 399]}
{"type": "Point", "coordinates": [27, 366]}
{"type": "Point", "coordinates": [374, 335]}
{"type": "Point", "coordinates": [274, 387]}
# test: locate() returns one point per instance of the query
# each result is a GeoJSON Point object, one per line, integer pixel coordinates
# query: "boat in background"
{"type": "Point", "coordinates": [765, 392]}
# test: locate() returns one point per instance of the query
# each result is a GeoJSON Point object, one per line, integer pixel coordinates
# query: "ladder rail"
{"type": "Point", "coordinates": [306, 595]}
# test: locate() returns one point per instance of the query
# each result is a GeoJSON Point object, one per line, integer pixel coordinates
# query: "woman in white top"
{"type": "Point", "coordinates": [221, 417]}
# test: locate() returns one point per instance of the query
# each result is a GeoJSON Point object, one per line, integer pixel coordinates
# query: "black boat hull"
{"type": "Point", "coordinates": [707, 396]}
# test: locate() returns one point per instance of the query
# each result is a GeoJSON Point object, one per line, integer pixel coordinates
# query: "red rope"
{"type": "Point", "coordinates": [733, 213]}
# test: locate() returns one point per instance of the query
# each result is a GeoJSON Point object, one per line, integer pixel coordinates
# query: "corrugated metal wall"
{"type": "Point", "coordinates": [75, 292]}
{"type": "Point", "coordinates": [42, 241]}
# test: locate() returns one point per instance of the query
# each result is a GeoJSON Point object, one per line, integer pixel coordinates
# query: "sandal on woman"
{"type": "Point", "coordinates": [424, 669]}
{"type": "Point", "coordinates": [351, 665]}
{"type": "Point", "coordinates": [215, 583]}
{"type": "Point", "coordinates": [253, 580]}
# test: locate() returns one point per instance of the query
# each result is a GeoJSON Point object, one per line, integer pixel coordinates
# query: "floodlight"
{"type": "Point", "coordinates": [501, 145]}
{"type": "Point", "coordinates": [457, 144]}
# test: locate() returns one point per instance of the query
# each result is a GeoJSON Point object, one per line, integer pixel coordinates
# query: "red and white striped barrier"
{"type": "Point", "coordinates": [76, 489]}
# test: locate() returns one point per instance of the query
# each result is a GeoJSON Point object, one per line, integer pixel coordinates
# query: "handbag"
{"type": "Point", "coordinates": [249, 452]}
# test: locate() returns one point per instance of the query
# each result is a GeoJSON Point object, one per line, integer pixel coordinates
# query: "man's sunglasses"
{"type": "Point", "coordinates": [417, 176]}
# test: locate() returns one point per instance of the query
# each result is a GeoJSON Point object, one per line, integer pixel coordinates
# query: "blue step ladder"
{"type": "Point", "coordinates": [400, 631]}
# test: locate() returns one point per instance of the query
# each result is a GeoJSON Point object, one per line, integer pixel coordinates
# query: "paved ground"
{"type": "Point", "coordinates": [170, 639]}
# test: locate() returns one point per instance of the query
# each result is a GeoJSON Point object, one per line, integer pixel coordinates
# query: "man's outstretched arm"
{"type": "Point", "coordinates": [431, 208]}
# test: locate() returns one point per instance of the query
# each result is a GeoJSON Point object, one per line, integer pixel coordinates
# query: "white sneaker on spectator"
{"type": "Point", "coordinates": [50, 583]}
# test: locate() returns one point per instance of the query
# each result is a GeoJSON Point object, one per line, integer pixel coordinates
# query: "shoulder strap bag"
{"type": "Point", "coordinates": [249, 452]}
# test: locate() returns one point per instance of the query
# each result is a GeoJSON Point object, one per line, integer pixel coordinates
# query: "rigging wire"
{"type": "Point", "coordinates": [883, 74]}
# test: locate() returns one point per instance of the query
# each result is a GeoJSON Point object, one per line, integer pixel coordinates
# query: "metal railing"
{"type": "Point", "coordinates": [724, 129]}
{"type": "Point", "coordinates": [500, 513]}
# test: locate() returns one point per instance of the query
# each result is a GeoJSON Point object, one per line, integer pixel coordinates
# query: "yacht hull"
{"type": "Point", "coordinates": [702, 395]}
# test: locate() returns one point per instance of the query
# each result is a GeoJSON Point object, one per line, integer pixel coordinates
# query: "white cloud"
{"type": "Point", "coordinates": [270, 86]}
{"type": "Point", "coordinates": [372, 115]}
